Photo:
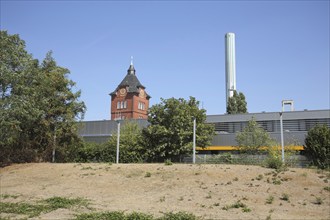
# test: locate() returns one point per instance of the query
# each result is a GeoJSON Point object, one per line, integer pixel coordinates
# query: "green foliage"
{"type": "Point", "coordinates": [178, 216]}
{"type": "Point", "coordinates": [252, 138]}
{"type": "Point", "coordinates": [148, 174]}
{"type": "Point", "coordinates": [131, 143]}
{"type": "Point", "coordinates": [285, 197]}
{"type": "Point", "coordinates": [317, 146]}
{"type": "Point", "coordinates": [101, 216]}
{"type": "Point", "coordinates": [64, 203]}
{"type": "Point", "coordinates": [22, 208]}
{"type": "Point", "coordinates": [237, 104]}
{"type": "Point", "coordinates": [168, 162]}
{"type": "Point", "coordinates": [135, 216]}
{"type": "Point", "coordinates": [270, 199]}
{"type": "Point", "coordinates": [37, 104]}
{"type": "Point", "coordinates": [237, 205]}
{"type": "Point", "coordinates": [274, 158]}
{"type": "Point", "coordinates": [170, 134]}
{"type": "Point", "coordinates": [93, 152]}
{"type": "Point", "coordinates": [48, 205]}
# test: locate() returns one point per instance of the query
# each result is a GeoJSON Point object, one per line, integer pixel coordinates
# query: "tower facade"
{"type": "Point", "coordinates": [230, 65]}
{"type": "Point", "coordinates": [130, 99]}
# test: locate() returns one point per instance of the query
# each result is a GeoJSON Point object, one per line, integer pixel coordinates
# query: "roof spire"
{"type": "Point", "coordinates": [131, 69]}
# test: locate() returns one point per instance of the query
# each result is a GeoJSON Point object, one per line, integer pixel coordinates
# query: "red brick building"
{"type": "Point", "coordinates": [129, 100]}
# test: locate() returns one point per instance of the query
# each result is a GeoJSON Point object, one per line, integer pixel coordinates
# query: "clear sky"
{"type": "Point", "coordinates": [282, 48]}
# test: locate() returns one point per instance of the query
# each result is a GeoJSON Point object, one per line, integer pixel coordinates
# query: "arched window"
{"type": "Point", "coordinates": [118, 105]}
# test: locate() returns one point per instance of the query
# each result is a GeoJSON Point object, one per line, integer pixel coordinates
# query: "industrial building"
{"type": "Point", "coordinates": [295, 125]}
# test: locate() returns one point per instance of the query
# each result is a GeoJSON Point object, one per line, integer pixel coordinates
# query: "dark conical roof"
{"type": "Point", "coordinates": [130, 81]}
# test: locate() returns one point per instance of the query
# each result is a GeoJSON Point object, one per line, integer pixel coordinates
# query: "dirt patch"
{"type": "Point", "coordinates": [208, 191]}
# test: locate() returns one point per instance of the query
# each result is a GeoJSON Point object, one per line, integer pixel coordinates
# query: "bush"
{"type": "Point", "coordinates": [317, 146]}
{"type": "Point", "coordinates": [93, 152]}
{"type": "Point", "coordinates": [253, 138]}
{"type": "Point", "coordinates": [274, 158]}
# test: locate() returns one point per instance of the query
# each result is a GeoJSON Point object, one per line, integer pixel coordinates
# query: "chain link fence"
{"type": "Point", "coordinates": [245, 159]}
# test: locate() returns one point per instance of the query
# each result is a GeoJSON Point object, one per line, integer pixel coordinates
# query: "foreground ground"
{"type": "Point", "coordinates": [207, 191]}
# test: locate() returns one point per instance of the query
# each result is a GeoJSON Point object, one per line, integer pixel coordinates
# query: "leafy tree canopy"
{"type": "Point", "coordinates": [37, 104]}
{"type": "Point", "coordinates": [253, 137]}
{"type": "Point", "coordinates": [237, 104]}
{"type": "Point", "coordinates": [131, 143]}
{"type": "Point", "coordinates": [170, 134]}
{"type": "Point", "coordinates": [317, 146]}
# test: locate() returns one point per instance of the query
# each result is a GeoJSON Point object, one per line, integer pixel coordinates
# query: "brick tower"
{"type": "Point", "coordinates": [129, 100]}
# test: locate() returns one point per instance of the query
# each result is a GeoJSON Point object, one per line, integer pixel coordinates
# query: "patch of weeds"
{"type": "Point", "coordinates": [178, 216]}
{"type": "Point", "coordinates": [270, 199]}
{"type": "Point", "coordinates": [269, 217]}
{"type": "Point", "coordinates": [327, 188]}
{"type": "Point", "coordinates": [181, 198]}
{"type": "Point", "coordinates": [237, 205]}
{"type": "Point", "coordinates": [285, 197]}
{"type": "Point", "coordinates": [318, 201]}
{"type": "Point", "coordinates": [87, 168]}
{"type": "Point", "coordinates": [229, 183]}
{"type": "Point", "coordinates": [101, 216]}
{"type": "Point", "coordinates": [47, 205]}
{"type": "Point", "coordinates": [286, 179]}
{"type": "Point", "coordinates": [235, 179]}
{"type": "Point", "coordinates": [30, 210]}
{"type": "Point", "coordinates": [168, 162]}
{"type": "Point", "coordinates": [162, 199]}
{"type": "Point", "coordinates": [209, 196]}
{"type": "Point", "coordinates": [304, 174]}
{"type": "Point", "coordinates": [148, 174]}
{"type": "Point", "coordinates": [6, 196]}
{"type": "Point", "coordinates": [260, 177]}
{"type": "Point", "coordinates": [246, 209]}
{"type": "Point", "coordinates": [245, 198]}
{"type": "Point", "coordinates": [277, 182]}
{"type": "Point", "coordinates": [216, 204]}
{"type": "Point", "coordinates": [64, 203]}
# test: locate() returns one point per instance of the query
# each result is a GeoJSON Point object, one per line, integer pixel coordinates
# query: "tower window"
{"type": "Point", "coordinates": [141, 106]}
{"type": "Point", "coordinates": [122, 105]}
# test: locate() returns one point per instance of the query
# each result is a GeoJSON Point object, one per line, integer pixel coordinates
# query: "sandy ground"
{"type": "Point", "coordinates": [199, 189]}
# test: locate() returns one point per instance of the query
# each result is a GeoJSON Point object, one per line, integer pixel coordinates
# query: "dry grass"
{"type": "Point", "coordinates": [156, 188]}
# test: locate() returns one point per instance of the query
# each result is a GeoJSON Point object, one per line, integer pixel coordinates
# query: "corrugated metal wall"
{"type": "Point", "coordinates": [295, 126]}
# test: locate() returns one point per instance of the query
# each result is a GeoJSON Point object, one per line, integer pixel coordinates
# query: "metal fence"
{"type": "Point", "coordinates": [245, 159]}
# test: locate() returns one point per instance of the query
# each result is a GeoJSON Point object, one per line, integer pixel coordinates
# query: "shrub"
{"type": "Point", "coordinates": [178, 216]}
{"type": "Point", "coordinates": [253, 138]}
{"type": "Point", "coordinates": [317, 146]}
{"type": "Point", "coordinates": [273, 162]}
{"type": "Point", "coordinates": [285, 197]}
{"type": "Point", "coordinates": [168, 162]}
{"type": "Point", "coordinates": [270, 200]}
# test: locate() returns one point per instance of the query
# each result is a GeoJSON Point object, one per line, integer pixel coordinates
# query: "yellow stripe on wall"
{"type": "Point", "coordinates": [214, 148]}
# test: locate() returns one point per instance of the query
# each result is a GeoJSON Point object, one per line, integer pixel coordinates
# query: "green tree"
{"type": "Point", "coordinates": [38, 108]}
{"type": "Point", "coordinates": [131, 143]}
{"type": "Point", "coordinates": [237, 104]}
{"type": "Point", "coordinates": [317, 146]}
{"type": "Point", "coordinates": [252, 138]}
{"type": "Point", "coordinates": [170, 133]}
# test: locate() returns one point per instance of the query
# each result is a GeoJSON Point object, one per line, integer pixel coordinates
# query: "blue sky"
{"type": "Point", "coordinates": [282, 48]}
